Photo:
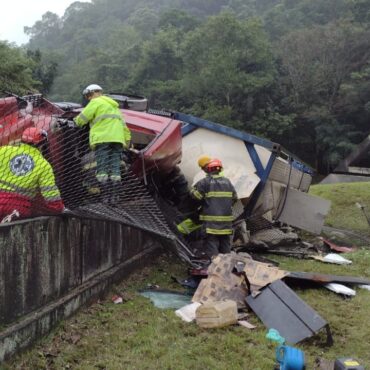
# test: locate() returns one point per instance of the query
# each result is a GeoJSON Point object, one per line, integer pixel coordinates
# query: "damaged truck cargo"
{"type": "Point", "coordinates": [271, 183]}
{"type": "Point", "coordinates": [157, 173]}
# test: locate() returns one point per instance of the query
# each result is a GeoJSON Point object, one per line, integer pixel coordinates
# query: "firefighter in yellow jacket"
{"type": "Point", "coordinates": [24, 174]}
{"type": "Point", "coordinates": [109, 134]}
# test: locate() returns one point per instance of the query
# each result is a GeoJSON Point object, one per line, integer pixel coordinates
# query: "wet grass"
{"type": "Point", "coordinates": [137, 335]}
{"type": "Point", "coordinates": [344, 213]}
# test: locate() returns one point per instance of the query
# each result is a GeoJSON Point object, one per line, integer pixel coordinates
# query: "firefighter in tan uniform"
{"type": "Point", "coordinates": [217, 195]}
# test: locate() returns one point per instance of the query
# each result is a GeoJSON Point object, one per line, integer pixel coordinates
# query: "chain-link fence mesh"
{"type": "Point", "coordinates": [39, 177]}
{"type": "Point", "coordinates": [48, 167]}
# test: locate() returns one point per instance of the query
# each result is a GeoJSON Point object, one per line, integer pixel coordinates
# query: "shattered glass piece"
{"type": "Point", "coordinates": [166, 299]}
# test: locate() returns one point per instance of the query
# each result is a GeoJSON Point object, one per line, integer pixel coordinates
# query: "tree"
{"type": "Point", "coordinates": [45, 33]}
{"type": "Point", "coordinates": [15, 70]}
{"type": "Point", "coordinates": [316, 63]}
{"type": "Point", "coordinates": [44, 70]}
{"type": "Point", "coordinates": [227, 62]}
{"type": "Point", "coordinates": [179, 19]}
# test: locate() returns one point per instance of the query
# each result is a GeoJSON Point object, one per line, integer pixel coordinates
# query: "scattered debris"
{"type": "Point", "coordinates": [349, 234]}
{"type": "Point", "coordinates": [290, 358]}
{"type": "Point", "coordinates": [191, 282]}
{"type": "Point", "coordinates": [340, 289]}
{"type": "Point", "coordinates": [246, 324]}
{"type": "Point", "coordinates": [304, 211]}
{"type": "Point", "coordinates": [243, 315]}
{"type": "Point", "coordinates": [235, 280]}
{"type": "Point", "coordinates": [280, 308]}
{"type": "Point", "coordinates": [290, 248]}
{"type": "Point", "coordinates": [222, 283]}
{"type": "Point", "coordinates": [333, 258]}
{"type": "Point", "coordinates": [217, 314]}
{"type": "Point", "coordinates": [363, 286]}
{"type": "Point", "coordinates": [273, 236]}
{"type": "Point", "coordinates": [322, 364]}
{"type": "Point", "coordinates": [116, 299]}
{"type": "Point", "coordinates": [9, 218]}
{"type": "Point", "coordinates": [75, 338]}
{"type": "Point", "coordinates": [347, 364]}
{"type": "Point", "coordinates": [187, 313]}
{"type": "Point", "coordinates": [337, 248]}
{"type": "Point", "coordinates": [339, 364]}
{"type": "Point", "coordinates": [153, 286]}
{"type": "Point", "coordinates": [166, 298]}
{"type": "Point", "coordinates": [324, 278]}
{"type": "Point", "coordinates": [275, 336]}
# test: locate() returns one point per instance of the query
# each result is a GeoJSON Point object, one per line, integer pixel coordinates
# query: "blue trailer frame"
{"type": "Point", "coordinates": [191, 123]}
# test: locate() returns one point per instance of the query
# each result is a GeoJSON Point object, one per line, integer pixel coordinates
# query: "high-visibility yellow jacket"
{"type": "Point", "coordinates": [106, 122]}
{"type": "Point", "coordinates": [24, 171]}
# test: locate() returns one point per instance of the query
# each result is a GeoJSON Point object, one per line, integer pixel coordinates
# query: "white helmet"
{"type": "Point", "coordinates": [91, 88]}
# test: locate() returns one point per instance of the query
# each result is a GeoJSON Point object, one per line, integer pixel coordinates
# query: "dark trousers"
{"type": "Point", "coordinates": [108, 161]}
{"type": "Point", "coordinates": [215, 244]}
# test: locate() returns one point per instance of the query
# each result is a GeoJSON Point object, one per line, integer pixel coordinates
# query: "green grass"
{"type": "Point", "coordinates": [136, 335]}
{"type": "Point", "coordinates": [344, 213]}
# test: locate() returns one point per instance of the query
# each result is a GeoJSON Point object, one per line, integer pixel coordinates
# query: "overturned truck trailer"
{"type": "Point", "coordinates": [70, 259]}
{"type": "Point", "coordinates": [271, 183]}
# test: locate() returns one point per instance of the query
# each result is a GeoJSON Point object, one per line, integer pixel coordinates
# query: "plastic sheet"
{"type": "Point", "coordinates": [340, 289]}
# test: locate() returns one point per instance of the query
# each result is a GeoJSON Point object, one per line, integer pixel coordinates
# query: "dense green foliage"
{"type": "Point", "coordinates": [15, 70]}
{"type": "Point", "coordinates": [296, 72]}
{"type": "Point", "coordinates": [25, 71]}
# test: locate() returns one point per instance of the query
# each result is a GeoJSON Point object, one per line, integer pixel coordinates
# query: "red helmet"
{"type": "Point", "coordinates": [214, 165]}
{"type": "Point", "coordinates": [34, 135]}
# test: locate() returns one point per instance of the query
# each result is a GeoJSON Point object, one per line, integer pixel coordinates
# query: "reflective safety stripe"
{"type": "Point", "coordinates": [50, 199]}
{"type": "Point", "coordinates": [216, 218]}
{"type": "Point", "coordinates": [188, 226]}
{"type": "Point", "coordinates": [48, 188]}
{"type": "Point", "coordinates": [219, 194]}
{"type": "Point", "coordinates": [17, 189]}
{"type": "Point", "coordinates": [219, 232]}
{"type": "Point", "coordinates": [83, 117]}
{"type": "Point", "coordinates": [104, 116]}
{"type": "Point", "coordinates": [89, 166]}
{"type": "Point", "coordinates": [196, 194]}
{"type": "Point", "coordinates": [115, 178]}
{"type": "Point", "coordinates": [93, 190]}
{"type": "Point", "coordinates": [102, 177]}
{"type": "Point", "coordinates": [50, 193]}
